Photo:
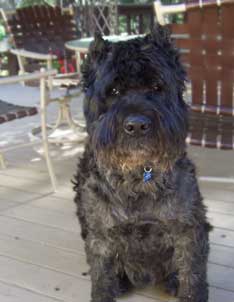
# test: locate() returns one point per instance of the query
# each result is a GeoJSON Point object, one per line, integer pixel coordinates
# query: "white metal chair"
{"type": "Point", "coordinates": [44, 100]}
{"type": "Point", "coordinates": [162, 10]}
{"type": "Point", "coordinates": [205, 41]}
{"type": "Point", "coordinates": [39, 34]}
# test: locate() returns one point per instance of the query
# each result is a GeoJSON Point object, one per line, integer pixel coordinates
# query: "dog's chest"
{"type": "Point", "coordinates": [144, 246]}
{"type": "Point", "coordinates": [137, 224]}
{"type": "Point", "coordinates": [108, 209]}
{"type": "Point", "coordinates": [140, 234]}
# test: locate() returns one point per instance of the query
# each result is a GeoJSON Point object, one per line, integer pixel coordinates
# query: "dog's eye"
{"type": "Point", "coordinates": [156, 87]}
{"type": "Point", "coordinates": [114, 91]}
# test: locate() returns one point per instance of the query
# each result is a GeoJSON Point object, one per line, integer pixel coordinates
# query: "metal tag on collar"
{"type": "Point", "coordinates": [147, 176]}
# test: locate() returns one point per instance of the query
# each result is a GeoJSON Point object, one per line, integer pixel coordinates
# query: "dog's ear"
{"type": "Point", "coordinates": [98, 50]}
{"type": "Point", "coordinates": [98, 47]}
{"type": "Point", "coordinates": [160, 35]}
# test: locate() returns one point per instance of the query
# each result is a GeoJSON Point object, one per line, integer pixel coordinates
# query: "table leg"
{"type": "Point", "coordinates": [78, 61]}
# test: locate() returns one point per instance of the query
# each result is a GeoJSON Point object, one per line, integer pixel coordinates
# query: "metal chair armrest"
{"type": "Point", "coordinates": [161, 10]}
{"type": "Point", "coordinates": [28, 77]}
{"type": "Point", "coordinates": [32, 55]}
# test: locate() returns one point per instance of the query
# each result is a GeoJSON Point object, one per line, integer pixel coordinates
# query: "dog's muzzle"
{"type": "Point", "coordinates": [137, 125]}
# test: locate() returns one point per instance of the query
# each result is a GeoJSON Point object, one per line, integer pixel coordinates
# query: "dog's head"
{"type": "Point", "coordinates": [134, 104]}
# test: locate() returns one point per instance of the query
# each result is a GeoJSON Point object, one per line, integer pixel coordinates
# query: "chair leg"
{"type": "Point", "coordinates": [21, 62]}
{"type": "Point", "coordinates": [67, 114]}
{"type": "Point", "coordinates": [2, 161]}
{"type": "Point", "coordinates": [44, 95]}
{"type": "Point", "coordinates": [65, 117]}
{"type": "Point", "coordinates": [50, 79]}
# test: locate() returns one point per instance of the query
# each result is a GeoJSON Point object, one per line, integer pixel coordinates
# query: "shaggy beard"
{"type": "Point", "coordinates": [130, 161]}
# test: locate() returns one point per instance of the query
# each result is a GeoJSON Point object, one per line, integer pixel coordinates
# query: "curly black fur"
{"type": "Point", "coordinates": [138, 232]}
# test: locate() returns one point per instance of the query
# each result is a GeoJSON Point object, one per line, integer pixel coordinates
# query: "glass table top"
{"type": "Point", "coordinates": [83, 44]}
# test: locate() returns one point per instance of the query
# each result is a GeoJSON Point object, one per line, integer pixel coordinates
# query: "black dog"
{"type": "Point", "coordinates": [139, 205]}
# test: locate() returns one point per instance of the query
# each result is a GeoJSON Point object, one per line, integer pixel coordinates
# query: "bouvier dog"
{"type": "Point", "coordinates": [139, 206]}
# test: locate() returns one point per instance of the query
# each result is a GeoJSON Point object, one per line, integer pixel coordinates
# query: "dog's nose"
{"type": "Point", "coordinates": [137, 125]}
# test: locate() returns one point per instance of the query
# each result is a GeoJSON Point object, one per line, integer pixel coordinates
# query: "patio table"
{"type": "Point", "coordinates": [82, 45]}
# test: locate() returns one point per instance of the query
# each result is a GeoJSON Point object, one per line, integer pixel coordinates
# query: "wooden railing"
{"type": "Point", "coordinates": [131, 18]}
{"type": "Point", "coordinates": [138, 18]}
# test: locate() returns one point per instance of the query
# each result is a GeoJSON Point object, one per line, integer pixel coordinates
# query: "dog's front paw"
{"type": "Point", "coordinates": [186, 299]}
{"type": "Point", "coordinates": [124, 285]}
{"type": "Point", "coordinates": [103, 299]}
{"type": "Point", "coordinates": [190, 298]}
{"type": "Point", "coordinates": [172, 284]}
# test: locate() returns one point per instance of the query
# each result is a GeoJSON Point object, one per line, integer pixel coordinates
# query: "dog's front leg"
{"type": "Point", "coordinates": [103, 276]}
{"type": "Point", "coordinates": [191, 253]}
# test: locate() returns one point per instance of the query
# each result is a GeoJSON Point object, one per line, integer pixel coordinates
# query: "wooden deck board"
{"type": "Point", "coordinates": [55, 204]}
{"type": "Point", "coordinates": [222, 236]}
{"type": "Point", "coordinates": [221, 220]}
{"type": "Point", "coordinates": [12, 293]}
{"type": "Point", "coordinates": [222, 207]}
{"type": "Point", "coordinates": [71, 263]}
{"type": "Point", "coordinates": [64, 221]}
{"type": "Point", "coordinates": [217, 191]}
{"type": "Point", "coordinates": [222, 255]}
{"type": "Point", "coordinates": [40, 233]}
{"type": "Point", "coordinates": [6, 204]}
{"type": "Point", "coordinates": [29, 185]}
{"type": "Point", "coordinates": [221, 277]}
{"type": "Point", "coordinates": [15, 195]}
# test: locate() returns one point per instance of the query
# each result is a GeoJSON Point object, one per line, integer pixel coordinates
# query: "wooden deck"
{"type": "Point", "coordinates": [41, 253]}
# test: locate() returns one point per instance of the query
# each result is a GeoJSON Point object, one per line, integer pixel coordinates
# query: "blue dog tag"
{"type": "Point", "coordinates": [147, 176]}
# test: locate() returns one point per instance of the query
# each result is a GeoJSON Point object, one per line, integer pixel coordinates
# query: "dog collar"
{"type": "Point", "coordinates": [147, 176]}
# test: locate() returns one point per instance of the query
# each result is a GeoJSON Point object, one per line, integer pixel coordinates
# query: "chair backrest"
{"type": "Point", "coordinates": [42, 28]}
{"type": "Point", "coordinates": [3, 15]}
{"type": "Point", "coordinates": [207, 41]}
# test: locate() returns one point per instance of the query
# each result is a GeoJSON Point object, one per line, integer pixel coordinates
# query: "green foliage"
{"type": "Point", "coordinates": [25, 3]}
{"type": "Point", "coordinates": [135, 1]}
{"type": "Point", "coordinates": [2, 32]}
{"type": "Point", "coordinates": [8, 4]}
